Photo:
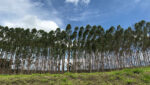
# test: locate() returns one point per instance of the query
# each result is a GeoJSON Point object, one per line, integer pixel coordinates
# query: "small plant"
{"type": "Point", "coordinates": [64, 79]}
{"type": "Point", "coordinates": [73, 76]}
{"type": "Point", "coordinates": [146, 78]}
{"type": "Point", "coordinates": [112, 78]}
{"type": "Point", "coordinates": [130, 81]}
{"type": "Point", "coordinates": [118, 77]}
{"type": "Point", "coordinates": [138, 71]}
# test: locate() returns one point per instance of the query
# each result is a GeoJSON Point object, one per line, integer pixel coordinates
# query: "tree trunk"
{"type": "Point", "coordinates": [68, 59]}
{"type": "Point", "coordinates": [90, 67]}
{"type": "Point", "coordinates": [102, 60]}
{"type": "Point", "coordinates": [63, 62]}
{"type": "Point", "coordinates": [59, 64]}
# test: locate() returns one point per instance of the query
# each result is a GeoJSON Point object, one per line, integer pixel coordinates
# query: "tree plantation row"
{"type": "Point", "coordinates": [89, 48]}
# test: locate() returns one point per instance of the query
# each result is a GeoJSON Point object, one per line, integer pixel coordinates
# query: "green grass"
{"type": "Point", "coordinates": [136, 76]}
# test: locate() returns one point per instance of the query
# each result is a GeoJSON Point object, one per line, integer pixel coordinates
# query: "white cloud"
{"type": "Point", "coordinates": [28, 14]}
{"type": "Point", "coordinates": [73, 1]}
{"type": "Point", "coordinates": [86, 1]}
{"type": "Point", "coordinates": [78, 1]}
{"type": "Point", "coordinates": [83, 16]}
{"type": "Point", "coordinates": [13, 6]}
{"type": "Point", "coordinates": [32, 22]}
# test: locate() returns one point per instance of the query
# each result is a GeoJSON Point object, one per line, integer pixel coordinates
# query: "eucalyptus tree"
{"type": "Point", "coordinates": [144, 43]}
{"type": "Point", "coordinates": [138, 40]}
{"type": "Point", "coordinates": [118, 46]}
{"type": "Point", "coordinates": [33, 41]}
{"type": "Point", "coordinates": [84, 43]}
{"type": "Point", "coordinates": [51, 41]}
{"type": "Point", "coordinates": [11, 39]}
{"type": "Point", "coordinates": [108, 39]}
{"type": "Point", "coordinates": [68, 32]}
{"type": "Point", "coordinates": [63, 48]}
{"type": "Point", "coordinates": [128, 44]}
{"type": "Point", "coordinates": [79, 48]}
{"type": "Point", "coordinates": [18, 48]}
{"type": "Point", "coordinates": [100, 45]}
{"type": "Point", "coordinates": [93, 46]}
{"type": "Point", "coordinates": [89, 43]}
{"type": "Point", "coordinates": [58, 47]}
{"type": "Point", "coordinates": [74, 48]}
{"type": "Point", "coordinates": [5, 44]}
{"type": "Point", "coordinates": [148, 40]}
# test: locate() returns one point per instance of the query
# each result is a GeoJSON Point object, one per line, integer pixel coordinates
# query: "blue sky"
{"type": "Point", "coordinates": [50, 14]}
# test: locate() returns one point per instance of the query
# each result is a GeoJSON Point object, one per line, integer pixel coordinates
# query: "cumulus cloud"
{"type": "Point", "coordinates": [32, 22]}
{"type": "Point", "coordinates": [25, 13]}
{"type": "Point", "coordinates": [78, 1]}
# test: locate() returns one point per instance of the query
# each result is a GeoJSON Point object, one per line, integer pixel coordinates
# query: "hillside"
{"type": "Point", "coordinates": [136, 76]}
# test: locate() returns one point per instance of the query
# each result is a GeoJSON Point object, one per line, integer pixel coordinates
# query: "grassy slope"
{"type": "Point", "coordinates": [136, 76]}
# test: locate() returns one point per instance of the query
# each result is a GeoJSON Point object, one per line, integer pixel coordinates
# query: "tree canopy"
{"type": "Point", "coordinates": [87, 48]}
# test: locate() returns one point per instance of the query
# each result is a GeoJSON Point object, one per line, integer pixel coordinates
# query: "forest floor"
{"type": "Point", "coordinates": [135, 76]}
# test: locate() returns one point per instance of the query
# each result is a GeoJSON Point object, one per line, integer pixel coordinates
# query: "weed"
{"type": "Point", "coordinates": [64, 79]}
{"type": "Point", "coordinates": [130, 81]}
{"type": "Point", "coordinates": [146, 78]}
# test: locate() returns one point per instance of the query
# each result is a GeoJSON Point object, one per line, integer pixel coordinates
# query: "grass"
{"type": "Point", "coordinates": [136, 76]}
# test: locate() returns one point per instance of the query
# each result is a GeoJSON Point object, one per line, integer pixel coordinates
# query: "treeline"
{"type": "Point", "coordinates": [89, 48]}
